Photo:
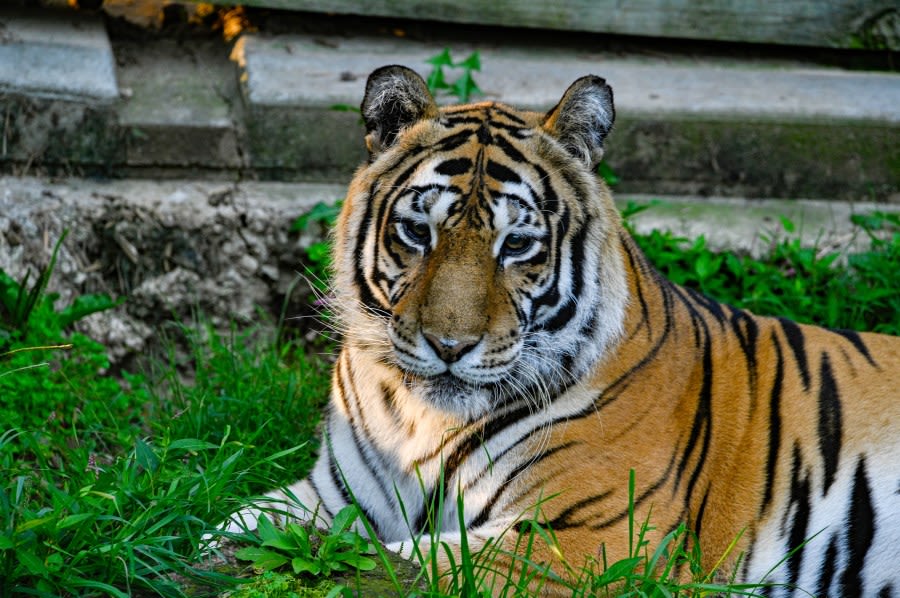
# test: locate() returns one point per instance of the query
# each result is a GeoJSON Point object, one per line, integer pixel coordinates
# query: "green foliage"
{"type": "Point", "coordinates": [280, 585]}
{"type": "Point", "coordinates": [108, 484]}
{"type": "Point", "coordinates": [607, 174]}
{"type": "Point", "coordinates": [263, 394]}
{"type": "Point", "coordinates": [311, 551]}
{"type": "Point", "coordinates": [807, 284]}
{"type": "Point", "coordinates": [464, 86]}
{"type": "Point", "coordinates": [114, 497]}
{"type": "Point", "coordinates": [109, 528]}
{"type": "Point", "coordinates": [672, 568]}
{"type": "Point", "coordinates": [320, 218]}
{"type": "Point", "coordinates": [48, 374]}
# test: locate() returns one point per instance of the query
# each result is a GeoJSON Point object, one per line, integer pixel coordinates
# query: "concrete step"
{"type": "Point", "coordinates": [263, 107]}
{"type": "Point", "coordinates": [62, 56]}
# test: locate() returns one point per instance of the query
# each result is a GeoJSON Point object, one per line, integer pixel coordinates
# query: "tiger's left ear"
{"type": "Point", "coordinates": [583, 118]}
{"type": "Point", "coordinates": [396, 97]}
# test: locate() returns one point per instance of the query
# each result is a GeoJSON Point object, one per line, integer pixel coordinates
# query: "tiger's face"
{"type": "Point", "coordinates": [478, 254]}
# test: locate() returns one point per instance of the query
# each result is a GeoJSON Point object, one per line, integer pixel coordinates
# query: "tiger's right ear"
{"type": "Point", "coordinates": [396, 97]}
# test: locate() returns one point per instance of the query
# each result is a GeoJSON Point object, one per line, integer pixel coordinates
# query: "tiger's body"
{"type": "Point", "coordinates": [505, 339]}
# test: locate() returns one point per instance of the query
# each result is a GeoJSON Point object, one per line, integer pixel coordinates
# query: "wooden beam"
{"type": "Point", "coordinates": [870, 24]}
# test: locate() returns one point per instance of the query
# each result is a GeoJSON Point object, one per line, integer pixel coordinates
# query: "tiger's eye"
{"type": "Point", "coordinates": [418, 232]}
{"type": "Point", "coordinates": [514, 243]}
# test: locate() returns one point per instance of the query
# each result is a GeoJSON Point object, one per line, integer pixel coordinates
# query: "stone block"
{"type": "Point", "coordinates": [58, 55]}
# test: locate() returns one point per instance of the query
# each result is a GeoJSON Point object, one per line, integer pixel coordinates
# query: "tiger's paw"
{"type": "Point", "coordinates": [407, 548]}
{"type": "Point", "coordinates": [278, 507]}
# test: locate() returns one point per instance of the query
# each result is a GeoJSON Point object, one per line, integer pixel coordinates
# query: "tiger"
{"type": "Point", "coordinates": [508, 350]}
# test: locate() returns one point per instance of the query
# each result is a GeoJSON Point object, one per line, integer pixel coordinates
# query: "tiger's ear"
{"type": "Point", "coordinates": [396, 97]}
{"type": "Point", "coordinates": [582, 118]}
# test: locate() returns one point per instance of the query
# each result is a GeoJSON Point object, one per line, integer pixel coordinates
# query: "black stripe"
{"type": "Point", "coordinates": [799, 500]}
{"type": "Point", "coordinates": [857, 342]}
{"type": "Point", "coordinates": [860, 531]}
{"type": "Point", "coordinates": [702, 419]}
{"type": "Point", "coordinates": [369, 457]}
{"type": "Point", "coordinates": [565, 520]}
{"type": "Point", "coordinates": [828, 565]}
{"type": "Point", "coordinates": [479, 437]}
{"type": "Point", "coordinates": [389, 401]}
{"type": "Point", "coordinates": [453, 141]}
{"type": "Point", "coordinates": [508, 115]}
{"type": "Point", "coordinates": [715, 308]}
{"type": "Point", "coordinates": [366, 296]}
{"type": "Point", "coordinates": [498, 171]}
{"type": "Point", "coordinates": [794, 336]}
{"type": "Point", "coordinates": [337, 479]}
{"type": "Point", "coordinates": [484, 134]}
{"type": "Point", "coordinates": [457, 119]}
{"type": "Point", "coordinates": [698, 524]}
{"type": "Point", "coordinates": [548, 200]}
{"type": "Point", "coordinates": [563, 316]}
{"type": "Point", "coordinates": [618, 386]}
{"type": "Point", "coordinates": [362, 278]}
{"type": "Point", "coordinates": [578, 244]}
{"type": "Point", "coordinates": [774, 424]}
{"type": "Point", "coordinates": [886, 592]}
{"type": "Point", "coordinates": [510, 150]}
{"type": "Point", "coordinates": [747, 333]}
{"type": "Point", "coordinates": [454, 166]}
{"type": "Point", "coordinates": [641, 498]}
{"type": "Point", "coordinates": [830, 427]}
{"type": "Point", "coordinates": [633, 265]}
{"type": "Point", "coordinates": [485, 512]}
{"type": "Point", "coordinates": [321, 504]}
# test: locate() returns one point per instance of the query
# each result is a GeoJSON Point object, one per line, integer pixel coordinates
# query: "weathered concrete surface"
{"type": "Point", "coordinates": [57, 55]}
{"type": "Point", "coordinates": [315, 70]}
{"type": "Point", "coordinates": [57, 90]}
{"type": "Point", "coordinates": [171, 247]}
{"type": "Point", "coordinates": [719, 126]}
{"type": "Point", "coordinates": [841, 23]}
{"type": "Point", "coordinates": [752, 225]}
{"type": "Point", "coordinates": [699, 126]}
{"type": "Point", "coordinates": [177, 110]}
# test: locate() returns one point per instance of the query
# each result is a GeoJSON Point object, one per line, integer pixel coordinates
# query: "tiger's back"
{"type": "Point", "coordinates": [506, 340]}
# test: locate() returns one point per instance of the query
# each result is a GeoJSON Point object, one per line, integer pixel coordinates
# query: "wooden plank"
{"type": "Point", "coordinates": [872, 24]}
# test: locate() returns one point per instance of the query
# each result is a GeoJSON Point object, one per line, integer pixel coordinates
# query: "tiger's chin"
{"type": "Point", "coordinates": [455, 396]}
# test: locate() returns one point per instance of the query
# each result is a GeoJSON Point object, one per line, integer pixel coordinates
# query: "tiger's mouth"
{"type": "Point", "coordinates": [449, 383]}
{"type": "Point", "coordinates": [452, 394]}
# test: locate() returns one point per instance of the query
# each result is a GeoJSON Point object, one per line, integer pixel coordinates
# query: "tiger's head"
{"type": "Point", "coordinates": [477, 250]}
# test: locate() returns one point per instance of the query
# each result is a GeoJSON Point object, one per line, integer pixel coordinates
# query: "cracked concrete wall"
{"type": "Point", "coordinates": [170, 248]}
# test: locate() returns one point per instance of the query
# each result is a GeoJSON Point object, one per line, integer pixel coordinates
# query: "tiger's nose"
{"type": "Point", "coordinates": [450, 350]}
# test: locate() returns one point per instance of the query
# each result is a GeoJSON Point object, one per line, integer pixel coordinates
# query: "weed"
{"type": "Point", "coordinates": [464, 86]}
{"type": "Point", "coordinates": [318, 220]}
{"type": "Point", "coordinates": [48, 374]}
{"type": "Point", "coordinates": [605, 171]}
{"type": "Point", "coordinates": [309, 550]}
{"type": "Point", "coordinates": [279, 585]}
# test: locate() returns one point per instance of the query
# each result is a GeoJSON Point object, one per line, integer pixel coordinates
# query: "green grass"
{"type": "Point", "coordinates": [109, 482]}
